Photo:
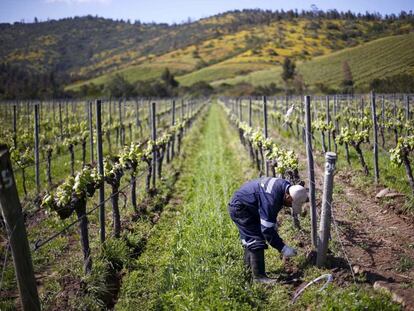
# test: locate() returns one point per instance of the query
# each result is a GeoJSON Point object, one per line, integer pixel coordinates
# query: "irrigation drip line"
{"type": "Point", "coordinates": [39, 243]}
{"type": "Point", "coordinates": [328, 277]}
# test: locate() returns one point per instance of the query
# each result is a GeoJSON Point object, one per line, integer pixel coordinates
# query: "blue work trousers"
{"type": "Point", "coordinates": [247, 221]}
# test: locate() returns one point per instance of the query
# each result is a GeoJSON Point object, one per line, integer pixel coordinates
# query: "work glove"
{"type": "Point", "coordinates": [288, 251]}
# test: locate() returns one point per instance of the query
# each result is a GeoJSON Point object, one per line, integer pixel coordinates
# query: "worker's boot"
{"type": "Point", "coordinates": [258, 267]}
{"type": "Point", "coordinates": [246, 258]}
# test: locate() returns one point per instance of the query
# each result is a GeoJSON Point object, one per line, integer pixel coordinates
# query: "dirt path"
{"type": "Point", "coordinates": [378, 242]}
{"type": "Point", "coordinates": [376, 238]}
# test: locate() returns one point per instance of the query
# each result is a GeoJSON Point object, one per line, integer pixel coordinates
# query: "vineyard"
{"type": "Point", "coordinates": [371, 59]}
{"type": "Point", "coordinates": [124, 202]}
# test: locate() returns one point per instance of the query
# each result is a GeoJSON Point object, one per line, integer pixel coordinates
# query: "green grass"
{"type": "Point", "coordinates": [193, 260]}
{"type": "Point", "coordinates": [229, 58]}
{"type": "Point", "coordinates": [153, 71]}
{"type": "Point", "coordinates": [221, 71]}
{"type": "Point", "coordinates": [376, 59]}
{"type": "Point", "coordinates": [43, 223]}
{"type": "Point", "coordinates": [197, 262]}
{"type": "Point", "coordinates": [193, 256]}
{"type": "Point", "coordinates": [132, 74]}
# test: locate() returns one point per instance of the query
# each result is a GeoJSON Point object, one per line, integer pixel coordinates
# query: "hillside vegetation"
{"type": "Point", "coordinates": [88, 46]}
{"type": "Point", "coordinates": [90, 51]}
{"type": "Point", "coordinates": [383, 57]}
{"type": "Point", "coordinates": [262, 46]}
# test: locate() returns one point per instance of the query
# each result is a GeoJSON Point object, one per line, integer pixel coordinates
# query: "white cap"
{"type": "Point", "coordinates": [299, 196]}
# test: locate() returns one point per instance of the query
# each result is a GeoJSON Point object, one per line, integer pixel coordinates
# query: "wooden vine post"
{"type": "Point", "coordinates": [311, 172]}
{"type": "Point", "coordinates": [182, 110]}
{"type": "Point", "coordinates": [36, 147]}
{"type": "Point", "coordinates": [90, 116]}
{"type": "Point", "coordinates": [154, 138]}
{"type": "Point", "coordinates": [302, 116]}
{"type": "Point", "coordinates": [241, 110]}
{"type": "Point", "coordinates": [172, 124]}
{"type": "Point", "coordinates": [15, 126]}
{"type": "Point", "coordinates": [13, 217]}
{"type": "Point", "coordinates": [326, 213]}
{"type": "Point", "coordinates": [100, 170]}
{"type": "Point", "coordinates": [265, 132]}
{"type": "Point", "coordinates": [250, 111]}
{"type": "Point", "coordinates": [328, 121]}
{"type": "Point", "coordinates": [124, 108]}
{"type": "Point", "coordinates": [375, 132]}
{"type": "Point", "coordinates": [60, 120]}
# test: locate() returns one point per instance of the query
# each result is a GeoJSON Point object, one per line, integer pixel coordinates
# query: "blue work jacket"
{"type": "Point", "coordinates": [265, 196]}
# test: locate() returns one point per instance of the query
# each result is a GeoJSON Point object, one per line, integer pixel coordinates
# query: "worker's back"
{"type": "Point", "coordinates": [263, 194]}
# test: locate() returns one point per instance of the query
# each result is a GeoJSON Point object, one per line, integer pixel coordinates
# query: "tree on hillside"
{"type": "Point", "coordinates": [16, 82]}
{"type": "Point", "coordinates": [299, 84]}
{"type": "Point", "coordinates": [347, 84]}
{"type": "Point", "coordinates": [166, 86]}
{"type": "Point", "coordinates": [168, 78]}
{"type": "Point", "coordinates": [288, 72]}
{"type": "Point", "coordinates": [400, 83]}
{"type": "Point", "coordinates": [118, 86]}
{"type": "Point", "coordinates": [199, 89]}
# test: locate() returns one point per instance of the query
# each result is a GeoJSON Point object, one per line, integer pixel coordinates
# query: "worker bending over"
{"type": "Point", "coordinates": [254, 208]}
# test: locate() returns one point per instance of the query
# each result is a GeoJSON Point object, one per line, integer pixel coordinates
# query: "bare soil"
{"type": "Point", "coordinates": [377, 238]}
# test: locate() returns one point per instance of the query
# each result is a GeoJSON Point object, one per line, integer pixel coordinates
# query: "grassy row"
{"type": "Point", "coordinates": [193, 259]}
{"type": "Point", "coordinates": [85, 292]}
{"type": "Point", "coordinates": [64, 286]}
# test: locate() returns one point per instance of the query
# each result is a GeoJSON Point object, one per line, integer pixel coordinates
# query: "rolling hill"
{"type": "Point", "coordinates": [231, 47]}
{"type": "Point", "coordinates": [377, 59]}
{"type": "Point", "coordinates": [260, 47]}
{"type": "Point", "coordinates": [89, 46]}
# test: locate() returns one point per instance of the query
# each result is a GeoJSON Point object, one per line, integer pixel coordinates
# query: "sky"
{"type": "Point", "coordinates": [174, 11]}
